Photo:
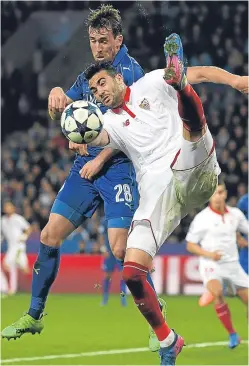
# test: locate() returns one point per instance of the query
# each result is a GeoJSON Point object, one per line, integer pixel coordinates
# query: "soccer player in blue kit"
{"type": "Point", "coordinates": [243, 253]}
{"type": "Point", "coordinates": [99, 174]}
{"type": "Point", "coordinates": [79, 197]}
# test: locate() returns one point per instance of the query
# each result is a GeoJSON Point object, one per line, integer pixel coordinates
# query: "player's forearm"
{"type": "Point", "coordinates": [106, 154]}
{"type": "Point", "coordinates": [101, 140]}
{"type": "Point", "coordinates": [211, 74]}
{"type": "Point", "coordinates": [197, 250]}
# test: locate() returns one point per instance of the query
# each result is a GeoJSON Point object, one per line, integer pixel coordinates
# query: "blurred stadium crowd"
{"type": "Point", "coordinates": [35, 155]}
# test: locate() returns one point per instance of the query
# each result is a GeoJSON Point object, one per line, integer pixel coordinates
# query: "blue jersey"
{"type": "Point", "coordinates": [125, 65]}
{"type": "Point", "coordinates": [243, 205]}
{"type": "Point", "coordinates": [115, 184]}
{"type": "Point", "coordinates": [243, 254]}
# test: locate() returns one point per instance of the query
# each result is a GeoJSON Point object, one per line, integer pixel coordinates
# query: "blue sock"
{"type": "Point", "coordinates": [149, 279]}
{"type": "Point", "coordinates": [44, 273]}
{"type": "Point", "coordinates": [106, 288]}
{"type": "Point", "coordinates": [123, 293]}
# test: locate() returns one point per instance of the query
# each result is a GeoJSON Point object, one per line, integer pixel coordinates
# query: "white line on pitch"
{"type": "Point", "coordinates": [110, 352]}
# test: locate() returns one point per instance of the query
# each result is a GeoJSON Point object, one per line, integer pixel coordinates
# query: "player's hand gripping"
{"type": "Point", "coordinates": [241, 84]}
{"type": "Point", "coordinates": [57, 102]}
{"type": "Point", "coordinates": [91, 168]}
{"type": "Point", "coordinates": [78, 148]}
{"type": "Point", "coordinates": [216, 255]}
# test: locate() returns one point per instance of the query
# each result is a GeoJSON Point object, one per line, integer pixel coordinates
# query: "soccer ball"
{"type": "Point", "coordinates": [81, 122]}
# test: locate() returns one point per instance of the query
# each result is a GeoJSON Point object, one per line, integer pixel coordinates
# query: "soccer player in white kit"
{"type": "Point", "coordinates": [215, 229]}
{"type": "Point", "coordinates": [165, 135]}
{"type": "Point", "coordinates": [15, 230]}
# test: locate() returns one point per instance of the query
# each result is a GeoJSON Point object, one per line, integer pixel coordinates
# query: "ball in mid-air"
{"type": "Point", "coordinates": [81, 122]}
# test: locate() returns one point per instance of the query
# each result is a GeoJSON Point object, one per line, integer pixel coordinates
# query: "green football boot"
{"type": "Point", "coordinates": [154, 344]}
{"type": "Point", "coordinates": [26, 324]}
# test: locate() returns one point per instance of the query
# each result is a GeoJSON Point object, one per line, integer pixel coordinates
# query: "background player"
{"type": "Point", "coordinates": [215, 229]}
{"type": "Point", "coordinates": [15, 230]}
{"type": "Point", "coordinates": [207, 298]}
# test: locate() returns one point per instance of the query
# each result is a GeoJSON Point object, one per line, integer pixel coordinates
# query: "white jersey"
{"type": "Point", "coordinates": [214, 231]}
{"type": "Point", "coordinates": [13, 227]}
{"type": "Point", "coordinates": [148, 128]}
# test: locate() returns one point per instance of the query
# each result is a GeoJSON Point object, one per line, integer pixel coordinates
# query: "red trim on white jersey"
{"type": "Point", "coordinates": [124, 106]}
{"type": "Point", "coordinates": [218, 212]}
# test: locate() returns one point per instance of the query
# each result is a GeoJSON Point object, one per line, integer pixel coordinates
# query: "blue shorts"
{"type": "Point", "coordinates": [110, 263]}
{"type": "Point", "coordinates": [78, 198]}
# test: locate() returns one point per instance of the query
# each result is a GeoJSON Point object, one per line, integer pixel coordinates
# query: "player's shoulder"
{"type": "Point", "coordinates": [18, 217]}
{"type": "Point", "coordinates": [81, 79]}
{"type": "Point", "coordinates": [127, 66]}
{"type": "Point", "coordinates": [235, 211]}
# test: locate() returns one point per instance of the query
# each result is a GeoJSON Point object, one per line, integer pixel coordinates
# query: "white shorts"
{"type": "Point", "coordinates": [167, 196]}
{"type": "Point", "coordinates": [229, 272]}
{"type": "Point", "coordinates": [16, 256]}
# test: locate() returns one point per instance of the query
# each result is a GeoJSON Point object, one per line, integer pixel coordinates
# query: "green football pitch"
{"type": "Point", "coordinates": [78, 331]}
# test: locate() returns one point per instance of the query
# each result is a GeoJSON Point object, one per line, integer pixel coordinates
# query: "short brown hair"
{"type": "Point", "coordinates": [105, 16]}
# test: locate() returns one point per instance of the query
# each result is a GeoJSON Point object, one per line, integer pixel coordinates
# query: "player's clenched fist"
{"type": "Point", "coordinates": [57, 102]}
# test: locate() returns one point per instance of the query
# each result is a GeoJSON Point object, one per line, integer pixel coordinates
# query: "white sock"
{"type": "Point", "coordinates": [4, 283]}
{"type": "Point", "coordinates": [13, 279]}
{"type": "Point", "coordinates": [168, 340]}
{"type": "Point", "coordinates": [194, 153]}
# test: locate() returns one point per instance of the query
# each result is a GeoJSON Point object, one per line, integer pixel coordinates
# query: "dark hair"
{"type": "Point", "coordinates": [105, 16]}
{"type": "Point", "coordinates": [98, 66]}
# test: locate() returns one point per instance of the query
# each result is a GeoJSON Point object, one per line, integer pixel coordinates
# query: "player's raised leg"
{"type": "Point", "coordinates": [136, 265]}
{"type": "Point", "coordinates": [197, 146]}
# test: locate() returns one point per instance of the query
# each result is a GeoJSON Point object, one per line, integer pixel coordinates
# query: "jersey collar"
{"type": "Point", "coordinates": [126, 100]}
{"type": "Point", "coordinates": [218, 212]}
{"type": "Point", "coordinates": [121, 53]}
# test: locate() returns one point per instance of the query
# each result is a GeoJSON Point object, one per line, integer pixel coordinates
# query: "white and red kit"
{"type": "Point", "coordinates": [173, 175]}
{"type": "Point", "coordinates": [216, 232]}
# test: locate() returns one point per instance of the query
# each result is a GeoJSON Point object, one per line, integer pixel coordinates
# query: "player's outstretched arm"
{"type": "Point", "coordinates": [212, 74]}
{"type": "Point", "coordinates": [57, 102]}
{"type": "Point", "coordinates": [101, 140]}
{"type": "Point", "coordinates": [197, 250]}
{"type": "Point", "coordinates": [93, 167]}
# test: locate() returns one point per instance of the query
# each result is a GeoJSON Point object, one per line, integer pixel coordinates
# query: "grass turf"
{"type": "Point", "coordinates": [77, 323]}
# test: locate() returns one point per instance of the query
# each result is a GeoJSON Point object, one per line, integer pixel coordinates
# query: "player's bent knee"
{"type": "Point", "coordinates": [50, 237]}
{"type": "Point", "coordinates": [56, 230]}
{"type": "Point", "coordinates": [119, 253]}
